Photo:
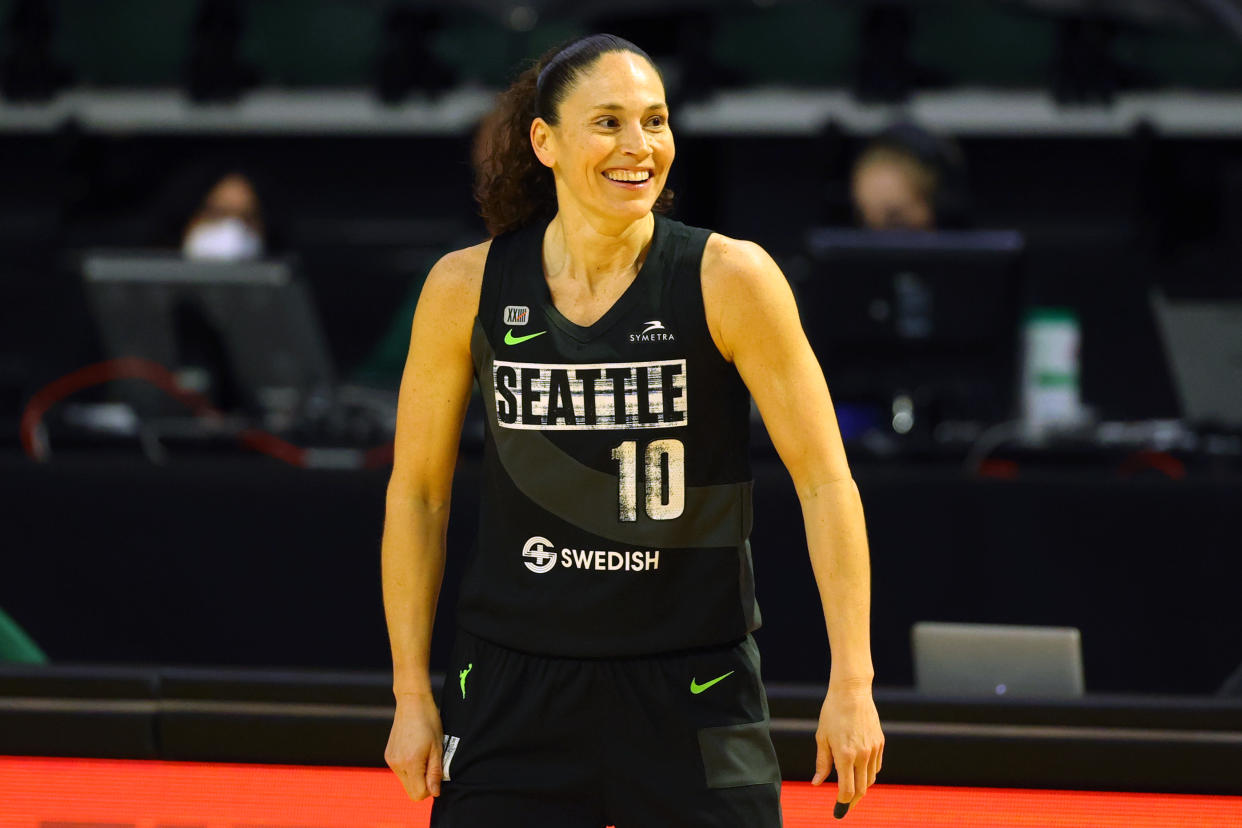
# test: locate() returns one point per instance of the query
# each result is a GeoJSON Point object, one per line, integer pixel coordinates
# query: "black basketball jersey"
{"type": "Point", "coordinates": [616, 492]}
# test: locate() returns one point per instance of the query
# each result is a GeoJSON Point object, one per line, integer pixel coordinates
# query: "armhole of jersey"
{"type": "Point", "coordinates": [493, 275]}
{"type": "Point", "coordinates": [690, 260]}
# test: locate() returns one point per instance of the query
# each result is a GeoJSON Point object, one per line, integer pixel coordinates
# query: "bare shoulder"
{"type": "Point", "coordinates": [737, 271]}
{"type": "Point", "coordinates": [449, 299]}
{"type": "Point", "coordinates": [729, 260]}
{"type": "Point", "coordinates": [742, 284]}
{"type": "Point", "coordinates": [460, 272]}
{"type": "Point", "coordinates": [451, 292]}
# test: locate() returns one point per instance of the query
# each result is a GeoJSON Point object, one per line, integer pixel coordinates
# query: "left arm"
{"type": "Point", "coordinates": [754, 321]}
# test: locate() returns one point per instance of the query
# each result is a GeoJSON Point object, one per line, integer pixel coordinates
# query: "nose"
{"type": "Point", "coordinates": [634, 142]}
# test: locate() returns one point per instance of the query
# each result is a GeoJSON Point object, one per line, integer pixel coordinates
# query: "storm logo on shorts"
{"type": "Point", "coordinates": [609, 395]}
{"type": "Point", "coordinates": [542, 556]}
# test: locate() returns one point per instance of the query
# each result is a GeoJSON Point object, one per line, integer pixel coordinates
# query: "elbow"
{"type": "Point", "coordinates": [404, 495]}
{"type": "Point", "coordinates": [832, 486]}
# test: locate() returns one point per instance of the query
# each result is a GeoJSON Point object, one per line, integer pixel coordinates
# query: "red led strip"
{"type": "Point", "coordinates": [144, 794]}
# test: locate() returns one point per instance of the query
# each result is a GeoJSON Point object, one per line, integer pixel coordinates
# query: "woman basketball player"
{"type": "Point", "coordinates": [603, 671]}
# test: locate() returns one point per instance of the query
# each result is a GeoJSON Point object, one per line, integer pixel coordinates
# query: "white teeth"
{"type": "Point", "coordinates": [626, 175]}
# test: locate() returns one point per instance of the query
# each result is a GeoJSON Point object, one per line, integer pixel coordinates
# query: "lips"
{"type": "Point", "coordinates": [630, 179]}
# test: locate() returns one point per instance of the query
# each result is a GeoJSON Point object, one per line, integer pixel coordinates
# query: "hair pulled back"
{"type": "Point", "coordinates": [510, 184]}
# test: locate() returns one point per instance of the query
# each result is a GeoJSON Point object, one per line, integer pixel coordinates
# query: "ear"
{"type": "Point", "coordinates": [543, 142]}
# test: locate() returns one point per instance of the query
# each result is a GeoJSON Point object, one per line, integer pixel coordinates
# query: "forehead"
{"type": "Point", "coordinates": [885, 173]}
{"type": "Point", "coordinates": [617, 78]}
{"type": "Point", "coordinates": [231, 188]}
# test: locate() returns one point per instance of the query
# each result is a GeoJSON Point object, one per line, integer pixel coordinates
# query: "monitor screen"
{"type": "Point", "coordinates": [1203, 347]}
{"type": "Point", "coordinates": [928, 318]}
{"type": "Point", "coordinates": [246, 335]}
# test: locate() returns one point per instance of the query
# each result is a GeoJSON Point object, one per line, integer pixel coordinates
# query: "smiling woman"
{"type": "Point", "coordinates": [606, 669]}
{"type": "Point", "coordinates": [512, 184]}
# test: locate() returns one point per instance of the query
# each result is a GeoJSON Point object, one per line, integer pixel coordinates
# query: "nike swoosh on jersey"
{"type": "Point", "coordinates": [510, 339]}
{"type": "Point", "coordinates": [697, 688]}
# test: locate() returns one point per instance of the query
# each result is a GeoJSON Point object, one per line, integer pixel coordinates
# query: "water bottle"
{"type": "Point", "coordinates": [1051, 395]}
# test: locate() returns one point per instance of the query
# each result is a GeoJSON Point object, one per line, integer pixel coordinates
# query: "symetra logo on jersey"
{"type": "Point", "coordinates": [609, 395]}
{"type": "Point", "coordinates": [653, 332]}
{"type": "Point", "coordinates": [541, 556]}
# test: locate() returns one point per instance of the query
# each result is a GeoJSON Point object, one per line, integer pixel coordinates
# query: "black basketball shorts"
{"type": "Point", "coordinates": [671, 741]}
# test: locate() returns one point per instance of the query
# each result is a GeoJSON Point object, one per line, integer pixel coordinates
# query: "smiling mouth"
{"type": "Point", "coordinates": [630, 179]}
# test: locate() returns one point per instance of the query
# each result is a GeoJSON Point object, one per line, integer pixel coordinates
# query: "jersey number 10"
{"type": "Point", "coordinates": [664, 479]}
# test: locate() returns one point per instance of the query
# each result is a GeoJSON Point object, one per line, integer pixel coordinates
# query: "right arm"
{"type": "Point", "coordinates": [435, 389]}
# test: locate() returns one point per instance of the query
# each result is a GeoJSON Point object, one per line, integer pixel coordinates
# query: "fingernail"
{"type": "Point", "coordinates": [841, 809]}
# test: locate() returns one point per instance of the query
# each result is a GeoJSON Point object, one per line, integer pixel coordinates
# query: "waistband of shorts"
{"type": "Point", "coordinates": [682, 653]}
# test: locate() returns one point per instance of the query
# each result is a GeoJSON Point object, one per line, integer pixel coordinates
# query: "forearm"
{"type": "Point", "coordinates": [837, 539]}
{"type": "Point", "coordinates": [412, 561]}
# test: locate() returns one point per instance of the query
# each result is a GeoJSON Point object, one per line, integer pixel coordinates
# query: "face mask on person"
{"type": "Point", "coordinates": [228, 239]}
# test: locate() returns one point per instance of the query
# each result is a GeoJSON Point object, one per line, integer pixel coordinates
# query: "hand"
{"type": "Point", "coordinates": [848, 736]}
{"type": "Point", "coordinates": [415, 744]}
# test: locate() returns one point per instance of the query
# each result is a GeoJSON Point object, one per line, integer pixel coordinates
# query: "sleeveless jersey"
{"type": "Point", "coordinates": [616, 490]}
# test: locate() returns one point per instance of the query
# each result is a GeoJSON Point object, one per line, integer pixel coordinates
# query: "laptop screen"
{"type": "Point", "coordinates": [244, 334]}
{"type": "Point", "coordinates": [997, 660]}
{"type": "Point", "coordinates": [1203, 348]}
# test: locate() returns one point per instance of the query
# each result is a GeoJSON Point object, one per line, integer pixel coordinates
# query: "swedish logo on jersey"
{"type": "Point", "coordinates": [541, 556]}
{"type": "Point", "coordinates": [517, 314]}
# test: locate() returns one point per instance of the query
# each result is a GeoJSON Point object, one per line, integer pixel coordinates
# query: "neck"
{"type": "Point", "coordinates": [581, 249]}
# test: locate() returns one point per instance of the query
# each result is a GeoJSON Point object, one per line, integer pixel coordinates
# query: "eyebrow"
{"type": "Point", "coordinates": [618, 107]}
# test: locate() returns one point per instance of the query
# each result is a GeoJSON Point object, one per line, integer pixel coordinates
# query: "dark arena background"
{"type": "Point", "coordinates": [1030, 320]}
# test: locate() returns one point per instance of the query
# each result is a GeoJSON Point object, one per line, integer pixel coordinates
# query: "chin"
{"type": "Point", "coordinates": [633, 210]}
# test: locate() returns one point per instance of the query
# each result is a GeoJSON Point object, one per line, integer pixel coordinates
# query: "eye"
{"type": "Point", "coordinates": [658, 120]}
{"type": "Point", "coordinates": [609, 122]}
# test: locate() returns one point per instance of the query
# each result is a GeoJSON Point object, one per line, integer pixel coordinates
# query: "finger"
{"type": "Point", "coordinates": [417, 785]}
{"type": "Point", "coordinates": [845, 788]}
{"type": "Point", "coordinates": [823, 762]}
{"type": "Point", "coordinates": [873, 765]}
{"type": "Point", "coordinates": [435, 771]}
{"type": "Point", "coordinates": [845, 780]}
{"type": "Point", "coordinates": [860, 777]}
{"type": "Point", "coordinates": [413, 772]}
{"type": "Point", "coordinates": [413, 783]}
{"type": "Point", "coordinates": [860, 771]}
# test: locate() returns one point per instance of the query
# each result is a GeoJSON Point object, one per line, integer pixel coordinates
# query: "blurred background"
{"type": "Point", "coordinates": [1013, 227]}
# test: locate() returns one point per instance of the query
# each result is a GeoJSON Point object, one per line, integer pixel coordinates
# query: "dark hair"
{"type": "Point", "coordinates": [510, 184]}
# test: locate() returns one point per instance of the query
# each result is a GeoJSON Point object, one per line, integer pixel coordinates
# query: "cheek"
{"type": "Point", "coordinates": [665, 149]}
{"type": "Point", "coordinates": [662, 153]}
{"type": "Point", "coordinates": [590, 152]}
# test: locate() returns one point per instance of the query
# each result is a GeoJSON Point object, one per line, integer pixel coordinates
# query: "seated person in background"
{"type": "Point", "coordinates": [228, 223]}
{"type": "Point", "coordinates": [909, 179]}
{"type": "Point", "coordinates": [215, 210]}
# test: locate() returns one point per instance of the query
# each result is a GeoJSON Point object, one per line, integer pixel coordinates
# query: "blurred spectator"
{"type": "Point", "coordinates": [216, 210]}
{"type": "Point", "coordinates": [906, 178]}
{"type": "Point", "coordinates": [228, 224]}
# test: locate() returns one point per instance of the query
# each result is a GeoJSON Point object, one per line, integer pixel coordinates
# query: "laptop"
{"type": "Point", "coordinates": [246, 334]}
{"type": "Point", "coordinates": [997, 660]}
{"type": "Point", "coordinates": [1203, 347]}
